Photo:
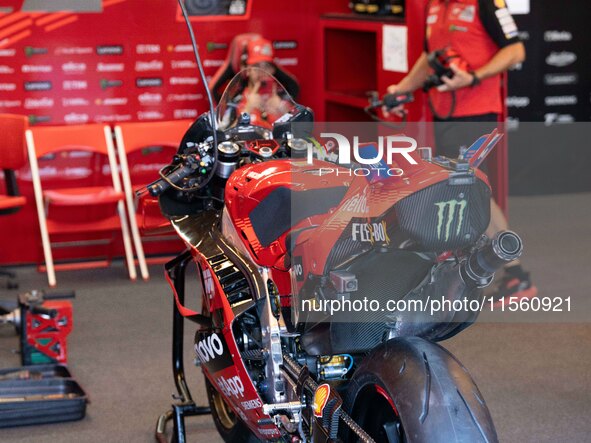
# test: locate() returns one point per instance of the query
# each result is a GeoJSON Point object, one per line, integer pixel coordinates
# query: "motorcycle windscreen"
{"type": "Point", "coordinates": [257, 94]}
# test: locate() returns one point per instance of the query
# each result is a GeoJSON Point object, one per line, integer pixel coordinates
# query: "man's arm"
{"type": "Point", "coordinates": [501, 61]}
{"type": "Point", "coordinates": [415, 78]}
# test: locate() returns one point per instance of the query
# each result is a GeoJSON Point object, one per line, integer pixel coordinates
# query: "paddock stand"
{"type": "Point", "coordinates": [185, 405]}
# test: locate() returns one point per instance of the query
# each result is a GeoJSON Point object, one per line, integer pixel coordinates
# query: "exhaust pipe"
{"type": "Point", "coordinates": [482, 264]}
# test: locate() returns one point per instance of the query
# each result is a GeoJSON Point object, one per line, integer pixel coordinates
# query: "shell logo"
{"type": "Point", "coordinates": [320, 399]}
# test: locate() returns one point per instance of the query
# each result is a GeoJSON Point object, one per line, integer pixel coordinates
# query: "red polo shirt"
{"type": "Point", "coordinates": [476, 30]}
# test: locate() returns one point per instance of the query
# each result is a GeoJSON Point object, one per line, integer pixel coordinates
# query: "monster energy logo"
{"type": "Point", "coordinates": [443, 226]}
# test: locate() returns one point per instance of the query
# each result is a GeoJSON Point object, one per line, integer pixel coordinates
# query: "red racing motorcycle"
{"type": "Point", "coordinates": [313, 282]}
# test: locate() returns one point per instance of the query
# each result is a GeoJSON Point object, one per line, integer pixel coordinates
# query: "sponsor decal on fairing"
{"type": "Point", "coordinates": [449, 213]}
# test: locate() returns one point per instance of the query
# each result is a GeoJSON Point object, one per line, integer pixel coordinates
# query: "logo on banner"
{"type": "Point", "coordinates": [557, 36]}
{"type": "Point", "coordinates": [212, 46]}
{"type": "Point", "coordinates": [76, 119]}
{"type": "Point", "coordinates": [36, 68]}
{"type": "Point", "coordinates": [76, 101]}
{"type": "Point", "coordinates": [179, 48]}
{"type": "Point", "coordinates": [74, 68]}
{"type": "Point", "coordinates": [74, 85]}
{"type": "Point", "coordinates": [111, 101]}
{"type": "Point", "coordinates": [285, 44]}
{"type": "Point", "coordinates": [212, 63]}
{"type": "Point", "coordinates": [185, 113]}
{"type": "Point", "coordinates": [517, 102]}
{"type": "Point", "coordinates": [287, 61]}
{"type": "Point", "coordinates": [183, 64]}
{"type": "Point", "coordinates": [148, 98]}
{"type": "Point", "coordinates": [6, 69]}
{"type": "Point", "coordinates": [184, 80]}
{"type": "Point", "coordinates": [35, 119]}
{"type": "Point", "coordinates": [112, 118]}
{"type": "Point", "coordinates": [105, 84]}
{"type": "Point", "coordinates": [37, 103]}
{"type": "Point", "coordinates": [10, 103]}
{"type": "Point", "coordinates": [147, 82]}
{"type": "Point", "coordinates": [561, 79]}
{"type": "Point", "coordinates": [559, 119]}
{"type": "Point", "coordinates": [447, 213]}
{"type": "Point", "coordinates": [147, 49]}
{"type": "Point", "coordinates": [109, 50]}
{"type": "Point", "coordinates": [150, 115]}
{"type": "Point", "coordinates": [183, 97]}
{"type": "Point", "coordinates": [154, 65]}
{"type": "Point", "coordinates": [561, 59]}
{"type": "Point", "coordinates": [31, 51]}
{"type": "Point", "coordinates": [7, 86]}
{"type": "Point", "coordinates": [7, 52]}
{"type": "Point", "coordinates": [75, 50]}
{"type": "Point", "coordinates": [110, 67]}
{"type": "Point", "coordinates": [561, 100]}
{"type": "Point", "coordinates": [37, 86]}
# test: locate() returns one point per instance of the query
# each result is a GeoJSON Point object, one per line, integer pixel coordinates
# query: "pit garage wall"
{"type": "Point", "coordinates": [553, 86]}
{"type": "Point", "coordinates": [131, 62]}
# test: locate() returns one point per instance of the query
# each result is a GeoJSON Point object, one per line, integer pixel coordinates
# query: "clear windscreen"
{"type": "Point", "coordinates": [259, 94]}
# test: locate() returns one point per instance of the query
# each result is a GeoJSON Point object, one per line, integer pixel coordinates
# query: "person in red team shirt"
{"type": "Point", "coordinates": [484, 36]}
{"type": "Point", "coordinates": [259, 97]}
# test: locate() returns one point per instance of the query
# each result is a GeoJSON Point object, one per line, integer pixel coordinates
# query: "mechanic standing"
{"type": "Point", "coordinates": [480, 40]}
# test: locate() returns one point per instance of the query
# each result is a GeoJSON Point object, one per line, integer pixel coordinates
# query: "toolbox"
{"type": "Point", "coordinates": [39, 394]}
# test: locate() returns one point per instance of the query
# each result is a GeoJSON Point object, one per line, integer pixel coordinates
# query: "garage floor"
{"type": "Point", "coordinates": [534, 374]}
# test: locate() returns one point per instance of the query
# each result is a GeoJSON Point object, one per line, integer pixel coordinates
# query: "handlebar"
{"type": "Point", "coordinates": [159, 186]}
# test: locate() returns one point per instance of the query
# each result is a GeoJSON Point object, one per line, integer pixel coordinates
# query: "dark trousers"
{"type": "Point", "coordinates": [457, 132]}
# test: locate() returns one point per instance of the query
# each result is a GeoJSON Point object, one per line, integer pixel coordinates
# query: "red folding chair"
{"type": "Point", "coordinates": [143, 149]}
{"type": "Point", "coordinates": [13, 156]}
{"type": "Point", "coordinates": [88, 197]}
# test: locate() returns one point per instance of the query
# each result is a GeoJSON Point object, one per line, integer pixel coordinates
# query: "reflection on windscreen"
{"type": "Point", "coordinates": [255, 92]}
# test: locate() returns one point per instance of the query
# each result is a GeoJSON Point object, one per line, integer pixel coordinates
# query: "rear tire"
{"type": "Point", "coordinates": [421, 393]}
{"type": "Point", "coordinates": [231, 428]}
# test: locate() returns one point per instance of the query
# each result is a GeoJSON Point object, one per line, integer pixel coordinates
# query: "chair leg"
{"type": "Point", "coordinates": [139, 247]}
{"type": "Point", "coordinates": [128, 189]}
{"type": "Point", "coordinates": [40, 209]}
{"type": "Point", "coordinates": [126, 241]}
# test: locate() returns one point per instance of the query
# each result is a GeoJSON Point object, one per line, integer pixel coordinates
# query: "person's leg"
{"type": "Point", "coordinates": [450, 136]}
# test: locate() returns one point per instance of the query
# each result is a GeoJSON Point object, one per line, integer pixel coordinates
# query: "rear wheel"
{"type": "Point", "coordinates": [410, 390]}
{"type": "Point", "coordinates": [229, 426]}
{"type": "Point", "coordinates": [377, 415]}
